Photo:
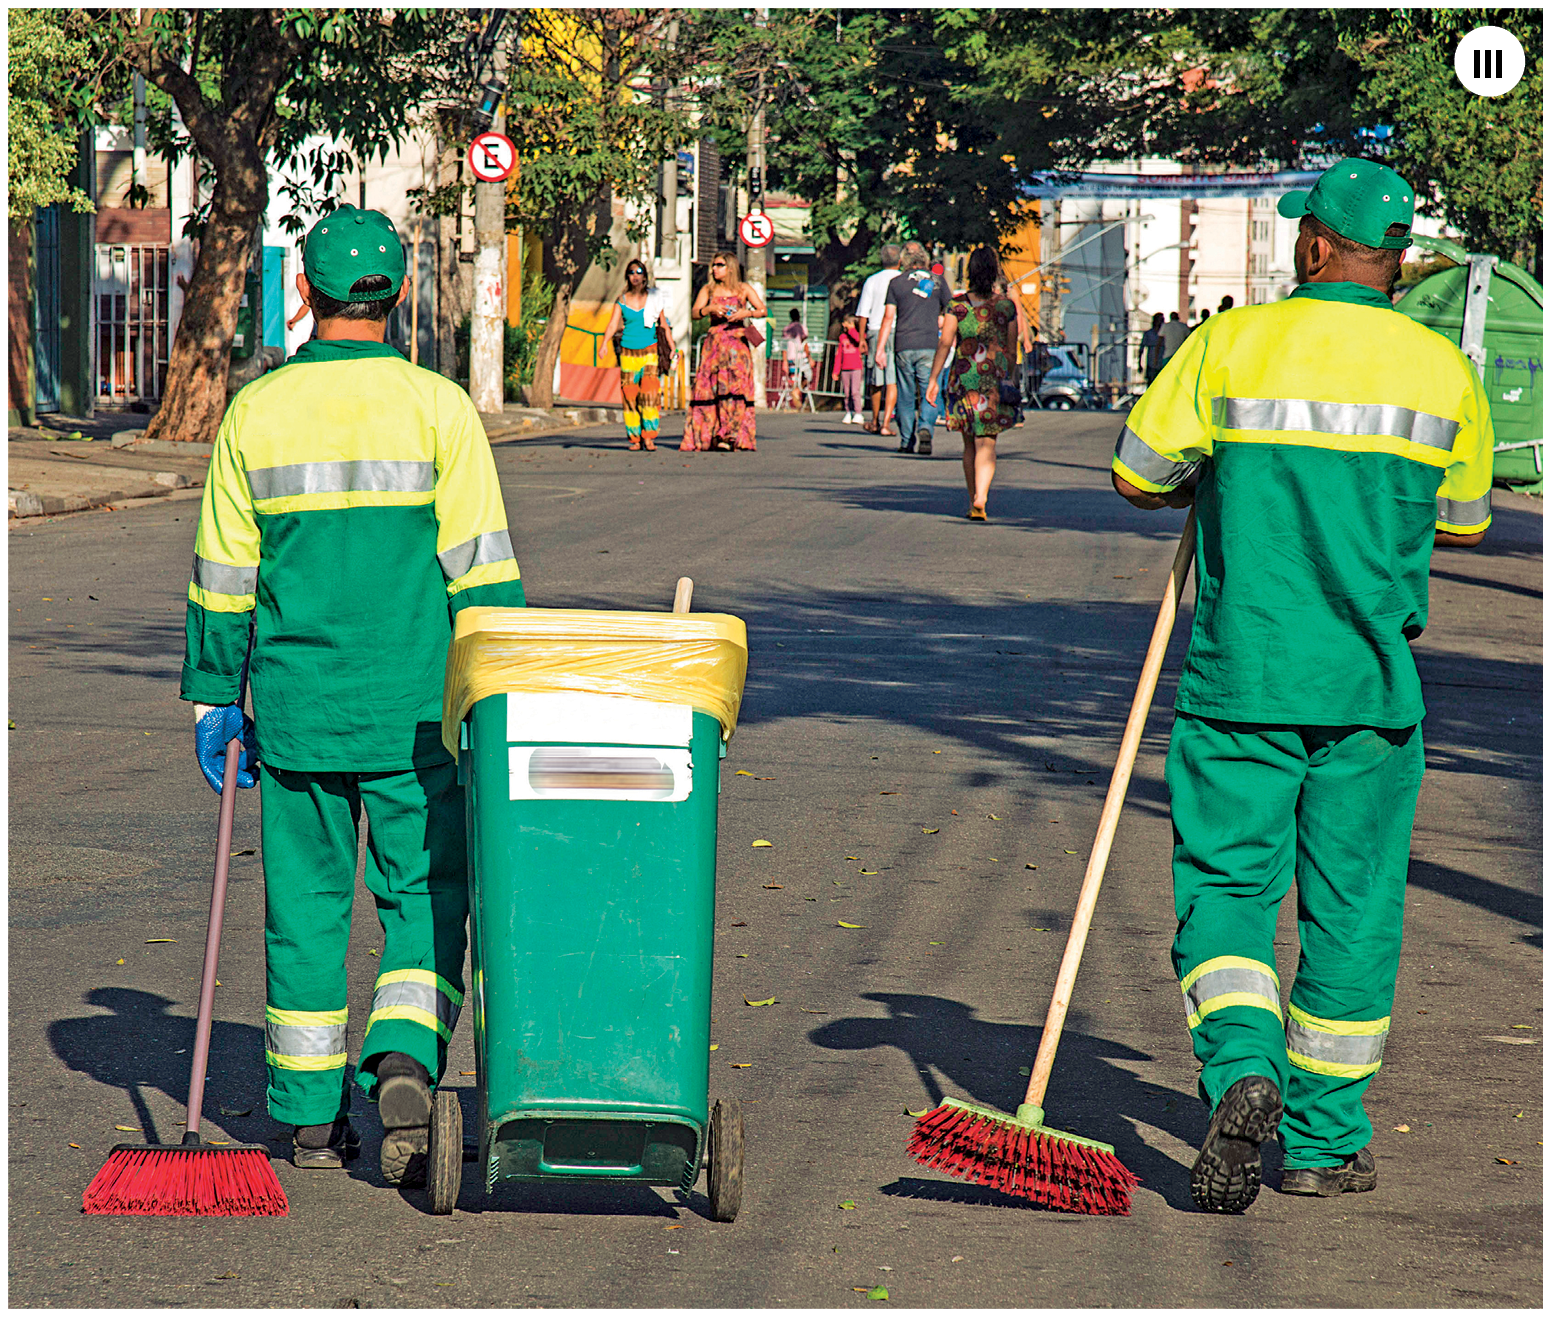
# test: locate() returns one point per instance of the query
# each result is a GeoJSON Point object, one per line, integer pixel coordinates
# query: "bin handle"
{"type": "Point", "coordinates": [611, 1172]}
{"type": "Point", "coordinates": [681, 594]}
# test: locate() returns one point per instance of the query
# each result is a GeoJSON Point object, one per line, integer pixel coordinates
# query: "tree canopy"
{"type": "Point", "coordinates": [48, 102]}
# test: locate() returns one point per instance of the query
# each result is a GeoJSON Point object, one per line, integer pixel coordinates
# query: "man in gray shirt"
{"type": "Point", "coordinates": [913, 308]}
{"type": "Point", "coordinates": [1174, 335]}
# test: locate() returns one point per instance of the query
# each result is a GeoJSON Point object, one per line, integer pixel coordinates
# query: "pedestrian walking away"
{"type": "Point", "coordinates": [1012, 387]}
{"type": "Point", "coordinates": [799, 358]}
{"type": "Point", "coordinates": [352, 507]}
{"type": "Point", "coordinates": [869, 306]}
{"type": "Point", "coordinates": [638, 315]}
{"type": "Point", "coordinates": [983, 328]}
{"type": "Point", "coordinates": [913, 309]}
{"type": "Point", "coordinates": [848, 361]}
{"type": "Point", "coordinates": [1331, 423]}
{"type": "Point", "coordinates": [1152, 347]}
{"type": "Point", "coordinates": [721, 409]}
{"type": "Point", "coordinates": [1173, 334]}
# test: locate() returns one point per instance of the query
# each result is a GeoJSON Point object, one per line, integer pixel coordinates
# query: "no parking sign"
{"type": "Point", "coordinates": [756, 229]}
{"type": "Point", "coordinates": [492, 157]}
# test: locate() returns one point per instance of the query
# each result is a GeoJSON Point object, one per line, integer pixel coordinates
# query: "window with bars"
{"type": "Point", "coordinates": [129, 301]}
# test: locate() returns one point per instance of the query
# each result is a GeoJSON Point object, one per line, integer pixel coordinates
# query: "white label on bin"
{"type": "Point", "coordinates": [599, 772]}
{"type": "Point", "coordinates": [596, 720]}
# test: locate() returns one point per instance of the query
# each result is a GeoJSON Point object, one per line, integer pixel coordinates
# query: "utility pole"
{"type": "Point", "coordinates": [754, 257]}
{"type": "Point", "coordinates": [487, 330]}
{"type": "Point", "coordinates": [670, 176]}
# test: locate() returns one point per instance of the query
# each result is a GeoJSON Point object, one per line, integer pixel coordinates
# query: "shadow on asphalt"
{"type": "Point", "coordinates": [1088, 1095]}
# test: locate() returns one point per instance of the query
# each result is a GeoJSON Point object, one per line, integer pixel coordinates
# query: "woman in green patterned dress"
{"type": "Point", "coordinates": [986, 329]}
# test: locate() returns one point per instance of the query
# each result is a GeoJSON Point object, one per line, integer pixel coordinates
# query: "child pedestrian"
{"type": "Point", "coordinates": [853, 341]}
{"type": "Point", "coordinates": [799, 360]}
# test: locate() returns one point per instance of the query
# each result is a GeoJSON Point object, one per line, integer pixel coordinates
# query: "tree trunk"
{"type": "Point", "coordinates": [19, 377]}
{"type": "Point", "coordinates": [449, 280]}
{"type": "Point", "coordinates": [541, 393]}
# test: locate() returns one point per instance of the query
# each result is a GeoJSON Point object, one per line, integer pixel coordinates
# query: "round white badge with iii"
{"type": "Point", "coordinates": [1489, 61]}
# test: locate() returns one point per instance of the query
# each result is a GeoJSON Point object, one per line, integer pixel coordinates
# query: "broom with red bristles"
{"type": "Point", "coordinates": [194, 1178]}
{"type": "Point", "coordinates": [1019, 1154]}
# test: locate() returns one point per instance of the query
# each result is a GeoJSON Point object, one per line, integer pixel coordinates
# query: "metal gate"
{"type": "Point", "coordinates": [130, 297]}
{"type": "Point", "coordinates": [45, 308]}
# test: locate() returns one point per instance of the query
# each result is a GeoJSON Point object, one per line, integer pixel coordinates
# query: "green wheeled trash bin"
{"type": "Point", "coordinates": [589, 745]}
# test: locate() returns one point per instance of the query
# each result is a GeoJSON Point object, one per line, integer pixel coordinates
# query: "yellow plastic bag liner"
{"type": "Point", "coordinates": [698, 659]}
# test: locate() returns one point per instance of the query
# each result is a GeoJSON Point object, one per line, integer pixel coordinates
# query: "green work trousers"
{"type": "Point", "coordinates": [416, 869]}
{"type": "Point", "coordinates": [1254, 806]}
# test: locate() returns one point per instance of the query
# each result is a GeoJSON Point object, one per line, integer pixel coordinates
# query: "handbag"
{"type": "Point", "coordinates": [1007, 394]}
{"type": "Point", "coordinates": [753, 335]}
{"type": "Point", "coordinates": [664, 350]}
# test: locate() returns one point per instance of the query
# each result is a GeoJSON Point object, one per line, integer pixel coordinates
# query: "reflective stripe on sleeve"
{"type": "Point", "coordinates": [342, 477]}
{"type": "Point", "coordinates": [1319, 417]}
{"type": "Point", "coordinates": [305, 1040]}
{"type": "Point", "coordinates": [1137, 457]}
{"type": "Point", "coordinates": [1346, 1049]}
{"type": "Point", "coordinates": [492, 546]}
{"type": "Point", "coordinates": [222, 578]}
{"type": "Point", "coordinates": [420, 996]}
{"type": "Point", "coordinates": [1229, 981]}
{"type": "Point", "coordinates": [1468, 515]}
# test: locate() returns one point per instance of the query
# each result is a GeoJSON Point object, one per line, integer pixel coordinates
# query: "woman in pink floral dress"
{"type": "Point", "coordinates": [986, 329]}
{"type": "Point", "coordinates": [721, 409]}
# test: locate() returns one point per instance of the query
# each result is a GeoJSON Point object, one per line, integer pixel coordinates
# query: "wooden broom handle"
{"type": "Point", "coordinates": [681, 594]}
{"type": "Point", "coordinates": [1061, 998]}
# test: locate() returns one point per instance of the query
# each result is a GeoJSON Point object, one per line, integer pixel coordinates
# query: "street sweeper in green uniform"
{"type": "Point", "coordinates": [1327, 443]}
{"type": "Point", "coordinates": [352, 508]}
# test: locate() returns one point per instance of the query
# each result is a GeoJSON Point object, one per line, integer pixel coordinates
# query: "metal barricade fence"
{"type": "Point", "coordinates": [826, 372]}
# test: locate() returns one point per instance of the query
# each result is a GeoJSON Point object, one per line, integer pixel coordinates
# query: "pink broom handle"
{"type": "Point", "coordinates": [223, 854]}
{"type": "Point", "coordinates": [1109, 819]}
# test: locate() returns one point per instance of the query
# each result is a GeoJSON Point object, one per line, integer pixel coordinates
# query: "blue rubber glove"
{"type": "Point", "coordinates": [213, 728]}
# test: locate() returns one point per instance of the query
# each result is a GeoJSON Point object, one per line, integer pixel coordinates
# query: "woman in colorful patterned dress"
{"type": "Point", "coordinates": [721, 410]}
{"type": "Point", "coordinates": [635, 320]}
{"type": "Point", "coordinates": [986, 329]}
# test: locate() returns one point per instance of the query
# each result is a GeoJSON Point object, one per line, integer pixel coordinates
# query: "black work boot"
{"type": "Point", "coordinates": [325, 1147]}
{"type": "Point", "coordinates": [404, 1105]}
{"type": "Point", "coordinates": [924, 442]}
{"type": "Point", "coordinates": [1226, 1176]}
{"type": "Point", "coordinates": [1356, 1175]}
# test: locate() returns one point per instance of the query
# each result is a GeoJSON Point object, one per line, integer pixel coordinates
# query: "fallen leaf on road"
{"type": "Point", "coordinates": [810, 898]}
{"type": "Point", "coordinates": [1518, 1115]}
{"type": "Point", "coordinates": [467, 1072]}
{"type": "Point", "coordinates": [993, 859]}
{"type": "Point", "coordinates": [997, 817]}
{"type": "Point", "coordinates": [877, 1292]}
{"type": "Point", "coordinates": [769, 1001]}
{"type": "Point", "coordinates": [842, 923]}
{"type": "Point", "coordinates": [743, 955]}
{"type": "Point", "coordinates": [75, 1145]}
{"type": "Point", "coordinates": [1402, 1129]}
{"type": "Point", "coordinates": [128, 1129]}
{"type": "Point", "coordinates": [762, 842]}
{"type": "Point", "coordinates": [740, 923]}
{"type": "Point", "coordinates": [888, 793]}
{"type": "Point", "coordinates": [773, 887]}
{"type": "Point", "coordinates": [1031, 866]}
{"type": "Point", "coordinates": [1522, 1026]}
{"type": "Point", "coordinates": [372, 951]}
{"type": "Point", "coordinates": [150, 940]}
{"type": "Point", "coordinates": [1023, 1070]}
{"type": "Point", "coordinates": [1507, 1161]}
{"type": "Point", "coordinates": [236, 1111]}
{"type": "Point", "coordinates": [119, 961]}
{"type": "Point", "coordinates": [1069, 852]}
{"type": "Point", "coordinates": [929, 831]}
{"type": "Point", "coordinates": [742, 772]}
{"type": "Point", "coordinates": [848, 1206]}
{"type": "Point", "coordinates": [936, 752]}
{"type": "Point", "coordinates": [953, 811]}
{"type": "Point", "coordinates": [228, 1275]}
{"type": "Point", "coordinates": [678, 1227]}
{"type": "Point", "coordinates": [249, 851]}
{"type": "Point", "coordinates": [853, 857]}
{"type": "Point", "coordinates": [741, 1065]}
{"type": "Point", "coordinates": [957, 1257]}
{"type": "Point", "coordinates": [714, 1046]}
{"type": "Point", "coordinates": [807, 1011]}
{"type": "Point", "coordinates": [916, 1115]}
{"type": "Point", "coordinates": [871, 873]}
{"type": "Point", "coordinates": [936, 944]}
{"type": "Point", "coordinates": [764, 779]}
{"type": "Point", "coordinates": [1041, 930]}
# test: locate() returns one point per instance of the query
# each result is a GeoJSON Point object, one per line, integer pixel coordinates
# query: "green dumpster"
{"type": "Point", "coordinates": [589, 744]}
{"type": "Point", "coordinates": [1494, 311]}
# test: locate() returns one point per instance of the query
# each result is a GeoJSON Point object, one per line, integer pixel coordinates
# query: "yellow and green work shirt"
{"type": "Point", "coordinates": [353, 507]}
{"type": "Point", "coordinates": [1329, 435]}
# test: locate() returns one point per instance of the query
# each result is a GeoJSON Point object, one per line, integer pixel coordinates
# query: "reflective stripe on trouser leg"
{"type": "Point", "coordinates": [1233, 789]}
{"type": "Point", "coordinates": [1354, 845]}
{"type": "Point", "coordinates": [309, 843]}
{"type": "Point", "coordinates": [417, 871]}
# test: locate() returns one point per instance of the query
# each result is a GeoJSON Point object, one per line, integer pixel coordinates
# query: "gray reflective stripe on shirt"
{"type": "Point", "coordinates": [342, 477]}
{"type": "Point", "coordinates": [1470, 513]}
{"type": "Point", "coordinates": [1355, 418]}
{"type": "Point", "coordinates": [492, 546]}
{"type": "Point", "coordinates": [304, 1039]}
{"type": "Point", "coordinates": [1237, 978]}
{"type": "Point", "coordinates": [1138, 457]}
{"type": "Point", "coordinates": [1360, 1049]}
{"type": "Point", "coordinates": [423, 996]}
{"type": "Point", "coordinates": [223, 578]}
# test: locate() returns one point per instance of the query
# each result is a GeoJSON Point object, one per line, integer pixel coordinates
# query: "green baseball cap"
{"type": "Point", "coordinates": [347, 244]}
{"type": "Point", "coordinates": [1359, 199]}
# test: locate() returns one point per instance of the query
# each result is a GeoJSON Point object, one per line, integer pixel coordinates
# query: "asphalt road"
{"type": "Point", "coordinates": [932, 711]}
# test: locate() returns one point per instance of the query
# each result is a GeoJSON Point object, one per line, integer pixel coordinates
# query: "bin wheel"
{"type": "Point", "coordinates": [724, 1175]}
{"type": "Point", "coordinates": [444, 1163]}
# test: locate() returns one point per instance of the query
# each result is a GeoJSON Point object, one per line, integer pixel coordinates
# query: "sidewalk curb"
{"type": "Point", "coordinates": [22, 503]}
